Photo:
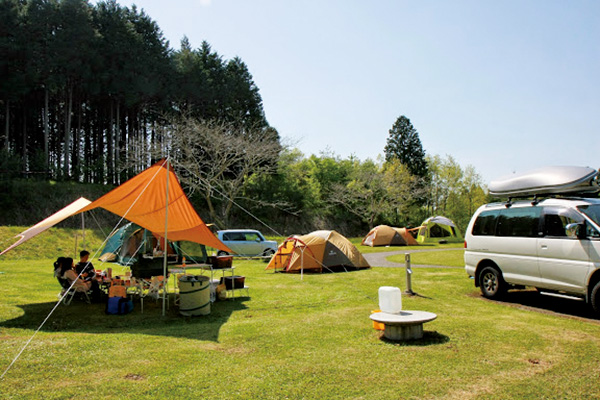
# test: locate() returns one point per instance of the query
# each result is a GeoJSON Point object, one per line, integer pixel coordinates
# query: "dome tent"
{"type": "Point", "coordinates": [438, 230]}
{"type": "Point", "coordinates": [384, 235]}
{"type": "Point", "coordinates": [317, 251]}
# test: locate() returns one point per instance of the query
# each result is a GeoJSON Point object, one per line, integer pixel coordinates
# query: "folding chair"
{"type": "Point", "coordinates": [68, 292]}
{"type": "Point", "coordinates": [154, 289]}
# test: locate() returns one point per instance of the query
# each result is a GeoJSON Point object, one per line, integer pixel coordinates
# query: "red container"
{"type": "Point", "coordinates": [238, 282]}
{"type": "Point", "coordinates": [220, 262]}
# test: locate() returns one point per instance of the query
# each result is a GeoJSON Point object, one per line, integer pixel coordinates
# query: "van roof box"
{"type": "Point", "coordinates": [547, 181]}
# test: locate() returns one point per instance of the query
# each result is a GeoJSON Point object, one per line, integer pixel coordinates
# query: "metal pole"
{"type": "Point", "coordinates": [166, 246]}
{"type": "Point", "coordinates": [408, 274]}
{"type": "Point", "coordinates": [82, 232]}
{"type": "Point", "coordinates": [301, 264]}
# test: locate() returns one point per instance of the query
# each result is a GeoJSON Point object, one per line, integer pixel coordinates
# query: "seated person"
{"type": "Point", "coordinates": [58, 267]}
{"type": "Point", "coordinates": [66, 271]}
{"type": "Point", "coordinates": [84, 268]}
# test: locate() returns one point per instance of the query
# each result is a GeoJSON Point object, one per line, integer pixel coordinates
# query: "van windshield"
{"type": "Point", "coordinates": [592, 211]}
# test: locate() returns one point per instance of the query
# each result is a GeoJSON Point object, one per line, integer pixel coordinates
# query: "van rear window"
{"type": "Point", "coordinates": [485, 224]}
{"type": "Point", "coordinates": [521, 222]}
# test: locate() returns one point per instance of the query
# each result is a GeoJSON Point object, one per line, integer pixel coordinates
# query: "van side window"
{"type": "Point", "coordinates": [557, 219]}
{"type": "Point", "coordinates": [234, 237]}
{"type": "Point", "coordinates": [485, 224]}
{"type": "Point", "coordinates": [521, 222]}
{"type": "Point", "coordinates": [252, 237]}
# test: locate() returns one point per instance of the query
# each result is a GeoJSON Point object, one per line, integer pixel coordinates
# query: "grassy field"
{"type": "Point", "coordinates": [448, 258]}
{"type": "Point", "coordinates": [297, 339]}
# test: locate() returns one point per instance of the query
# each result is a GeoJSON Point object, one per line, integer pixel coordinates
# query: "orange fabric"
{"type": "Point", "coordinates": [405, 233]}
{"type": "Point", "coordinates": [142, 200]}
{"type": "Point", "coordinates": [52, 220]}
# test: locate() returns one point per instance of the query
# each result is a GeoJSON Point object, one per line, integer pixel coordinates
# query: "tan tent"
{"type": "Point", "coordinates": [317, 251]}
{"type": "Point", "coordinates": [384, 235]}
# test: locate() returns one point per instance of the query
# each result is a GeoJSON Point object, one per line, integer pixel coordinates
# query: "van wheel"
{"type": "Point", "coordinates": [491, 283]}
{"type": "Point", "coordinates": [595, 298]}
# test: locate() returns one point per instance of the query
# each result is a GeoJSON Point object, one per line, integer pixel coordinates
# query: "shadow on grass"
{"type": "Point", "coordinates": [429, 338]}
{"type": "Point", "coordinates": [533, 300]}
{"type": "Point", "coordinates": [91, 318]}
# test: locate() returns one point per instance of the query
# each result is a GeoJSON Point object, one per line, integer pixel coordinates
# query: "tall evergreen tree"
{"type": "Point", "coordinates": [404, 145]}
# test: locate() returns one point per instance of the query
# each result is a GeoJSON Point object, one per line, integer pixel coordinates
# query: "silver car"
{"type": "Point", "coordinates": [246, 242]}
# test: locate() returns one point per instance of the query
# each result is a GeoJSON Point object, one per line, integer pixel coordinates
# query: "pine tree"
{"type": "Point", "coordinates": [404, 145]}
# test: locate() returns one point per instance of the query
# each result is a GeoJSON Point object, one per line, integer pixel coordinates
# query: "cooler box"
{"type": "Point", "coordinates": [238, 282]}
{"type": "Point", "coordinates": [220, 261]}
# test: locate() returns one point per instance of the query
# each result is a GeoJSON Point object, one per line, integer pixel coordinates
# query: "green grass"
{"type": "Point", "coordinates": [449, 258]}
{"type": "Point", "coordinates": [292, 338]}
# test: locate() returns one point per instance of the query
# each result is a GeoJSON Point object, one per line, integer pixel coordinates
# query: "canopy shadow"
{"type": "Point", "coordinates": [91, 318]}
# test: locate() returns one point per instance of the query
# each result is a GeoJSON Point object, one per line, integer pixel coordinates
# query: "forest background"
{"type": "Point", "coordinates": [91, 95]}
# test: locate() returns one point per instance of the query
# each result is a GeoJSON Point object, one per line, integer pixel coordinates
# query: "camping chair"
{"type": "Point", "coordinates": [68, 292]}
{"type": "Point", "coordinates": [154, 289]}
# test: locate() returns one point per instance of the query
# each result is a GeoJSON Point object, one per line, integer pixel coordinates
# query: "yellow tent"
{"type": "Point", "coordinates": [317, 251]}
{"type": "Point", "coordinates": [384, 235]}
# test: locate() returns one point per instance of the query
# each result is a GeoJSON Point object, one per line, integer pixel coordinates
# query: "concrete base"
{"type": "Point", "coordinates": [403, 332]}
{"type": "Point", "coordinates": [407, 325]}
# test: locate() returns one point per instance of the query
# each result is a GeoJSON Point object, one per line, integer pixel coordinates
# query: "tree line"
{"type": "Point", "coordinates": [88, 91]}
{"type": "Point", "coordinates": [401, 189]}
{"type": "Point", "coordinates": [94, 94]}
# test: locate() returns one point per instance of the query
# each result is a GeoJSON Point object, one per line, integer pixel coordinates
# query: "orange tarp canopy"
{"type": "Point", "coordinates": [49, 222]}
{"type": "Point", "coordinates": [143, 201]}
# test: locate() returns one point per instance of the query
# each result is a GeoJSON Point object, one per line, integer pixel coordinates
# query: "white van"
{"type": "Point", "coordinates": [551, 244]}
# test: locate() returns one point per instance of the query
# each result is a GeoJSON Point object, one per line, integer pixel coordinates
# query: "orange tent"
{"type": "Point", "coordinates": [143, 201]}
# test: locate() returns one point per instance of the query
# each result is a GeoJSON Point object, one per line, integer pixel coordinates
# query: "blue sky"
{"type": "Point", "coordinates": [504, 86]}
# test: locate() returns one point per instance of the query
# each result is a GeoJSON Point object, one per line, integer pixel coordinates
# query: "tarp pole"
{"type": "Point", "coordinates": [165, 247]}
{"type": "Point", "coordinates": [82, 232]}
{"type": "Point", "coordinates": [302, 264]}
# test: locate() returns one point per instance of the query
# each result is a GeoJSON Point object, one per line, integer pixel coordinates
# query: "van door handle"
{"type": "Point", "coordinates": [544, 247]}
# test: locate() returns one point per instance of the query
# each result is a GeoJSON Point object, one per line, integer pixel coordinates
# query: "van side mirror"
{"type": "Point", "coordinates": [576, 230]}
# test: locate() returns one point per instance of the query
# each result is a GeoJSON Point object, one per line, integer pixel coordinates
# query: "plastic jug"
{"type": "Point", "coordinates": [390, 299]}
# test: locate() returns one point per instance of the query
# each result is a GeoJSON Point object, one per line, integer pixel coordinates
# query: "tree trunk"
{"type": "Point", "coordinates": [7, 125]}
{"type": "Point", "coordinates": [24, 144]}
{"type": "Point", "coordinates": [109, 142]}
{"type": "Point", "coordinates": [98, 157]}
{"type": "Point", "coordinates": [117, 145]}
{"type": "Point", "coordinates": [75, 154]}
{"type": "Point", "coordinates": [67, 132]}
{"type": "Point", "coordinates": [46, 131]}
{"type": "Point", "coordinates": [211, 210]}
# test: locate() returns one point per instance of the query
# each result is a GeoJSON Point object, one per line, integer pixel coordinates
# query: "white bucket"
{"type": "Point", "coordinates": [390, 299]}
{"type": "Point", "coordinates": [194, 295]}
